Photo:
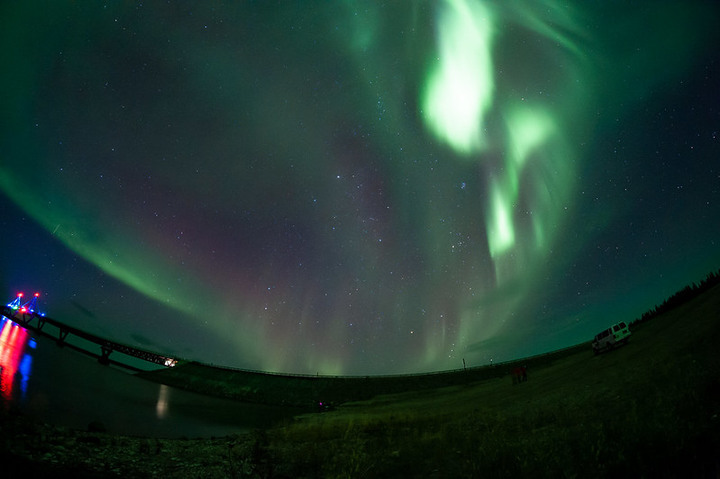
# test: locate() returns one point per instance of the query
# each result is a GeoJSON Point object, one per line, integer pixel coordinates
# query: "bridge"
{"type": "Point", "coordinates": [24, 314]}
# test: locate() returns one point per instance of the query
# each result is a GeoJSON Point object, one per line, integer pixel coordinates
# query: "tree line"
{"type": "Point", "coordinates": [681, 297]}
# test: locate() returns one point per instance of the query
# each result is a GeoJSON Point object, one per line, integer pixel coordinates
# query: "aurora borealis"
{"type": "Point", "coordinates": [358, 187]}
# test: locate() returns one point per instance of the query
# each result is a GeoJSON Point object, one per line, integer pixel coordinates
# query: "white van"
{"type": "Point", "coordinates": [613, 336]}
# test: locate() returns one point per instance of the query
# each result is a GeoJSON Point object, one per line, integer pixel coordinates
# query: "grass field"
{"type": "Point", "coordinates": [647, 409]}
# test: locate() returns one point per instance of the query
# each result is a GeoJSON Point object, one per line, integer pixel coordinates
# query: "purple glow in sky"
{"type": "Point", "coordinates": [357, 188]}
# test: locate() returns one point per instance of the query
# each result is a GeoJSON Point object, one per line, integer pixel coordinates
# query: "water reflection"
{"type": "Point", "coordinates": [161, 408]}
{"type": "Point", "coordinates": [15, 363]}
{"type": "Point", "coordinates": [71, 390]}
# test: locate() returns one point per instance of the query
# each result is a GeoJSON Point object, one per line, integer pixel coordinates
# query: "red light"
{"type": "Point", "coordinates": [22, 310]}
{"type": "Point", "coordinates": [37, 294]}
{"type": "Point", "coordinates": [20, 295]}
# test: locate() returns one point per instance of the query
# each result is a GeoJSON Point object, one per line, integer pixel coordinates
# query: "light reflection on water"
{"type": "Point", "coordinates": [162, 403]}
{"type": "Point", "coordinates": [15, 362]}
{"type": "Point", "coordinates": [61, 386]}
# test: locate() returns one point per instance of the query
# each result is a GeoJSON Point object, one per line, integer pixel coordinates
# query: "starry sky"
{"type": "Point", "coordinates": [355, 187]}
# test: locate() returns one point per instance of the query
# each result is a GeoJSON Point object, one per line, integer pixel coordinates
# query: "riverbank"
{"type": "Point", "coordinates": [37, 450]}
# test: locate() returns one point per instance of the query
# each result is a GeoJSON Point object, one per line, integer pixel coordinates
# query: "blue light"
{"type": "Point", "coordinates": [25, 370]}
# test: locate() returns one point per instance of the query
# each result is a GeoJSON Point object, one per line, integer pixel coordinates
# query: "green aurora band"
{"type": "Point", "coordinates": [507, 90]}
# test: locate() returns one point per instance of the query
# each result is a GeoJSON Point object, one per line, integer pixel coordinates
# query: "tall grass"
{"type": "Point", "coordinates": [648, 409]}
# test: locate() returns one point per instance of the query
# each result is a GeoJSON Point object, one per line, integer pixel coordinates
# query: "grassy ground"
{"type": "Point", "coordinates": [648, 409]}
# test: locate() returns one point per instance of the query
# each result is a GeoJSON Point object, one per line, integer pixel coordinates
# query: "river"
{"type": "Point", "coordinates": [61, 386]}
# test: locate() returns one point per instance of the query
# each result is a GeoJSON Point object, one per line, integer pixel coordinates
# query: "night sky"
{"type": "Point", "coordinates": [357, 187]}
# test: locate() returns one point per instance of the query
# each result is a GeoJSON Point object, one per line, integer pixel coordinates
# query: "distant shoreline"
{"type": "Point", "coordinates": [317, 391]}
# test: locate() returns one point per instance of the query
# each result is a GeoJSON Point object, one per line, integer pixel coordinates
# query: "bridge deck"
{"type": "Point", "coordinates": [106, 346]}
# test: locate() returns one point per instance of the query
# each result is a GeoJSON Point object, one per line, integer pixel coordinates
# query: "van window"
{"type": "Point", "coordinates": [616, 328]}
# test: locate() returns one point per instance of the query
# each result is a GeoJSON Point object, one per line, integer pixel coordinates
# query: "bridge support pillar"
{"type": "Point", "coordinates": [62, 334]}
{"type": "Point", "coordinates": [105, 357]}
